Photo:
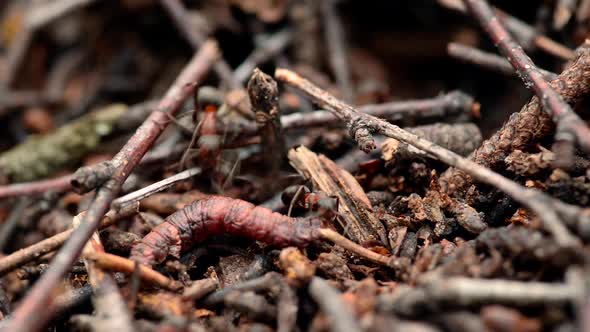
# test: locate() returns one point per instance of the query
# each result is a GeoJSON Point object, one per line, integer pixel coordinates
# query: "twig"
{"type": "Point", "coordinates": [446, 105]}
{"type": "Point", "coordinates": [37, 187]}
{"type": "Point", "coordinates": [524, 128]}
{"type": "Point", "coordinates": [487, 60]}
{"type": "Point", "coordinates": [329, 300]}
{"type": "Point", "coordinates": [353, 247]}
{"type": "Point", "coordinates": [336, 45]}
{"type": "Point", "coordinates": [179, 15]}
{"type": "Point", "coordinates": [267, 49]}
{"type": "Point", "coordinates": [110, 309]}
{"type": "Point", "coordinates": [116, 263]}
{"type": "Point", "coordinates": [538, 202]}
{"type": "Point", "coordinates": [129, 156]}
{"type": "Point", "coordinates": [155, 188]}
{"type": "Point", "coordinates": [468, 291]}
{"type": "Point", "coordinates": [570, 127]}
{"type": "Point", "coordinates": [32, 252]}
{"type": "Point", "coordinates": [526, 34]}
{"type": "Point", "coordinates": [264, 97]}
{"type": "Point", "coordinates": [457, 292]}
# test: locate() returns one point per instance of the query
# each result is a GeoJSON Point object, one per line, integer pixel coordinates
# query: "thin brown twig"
{"type": "Point", "coordinates": [353, 247]}
{"type": "Point", "coordinates": [570, 127]}
{"type": "Point", "coordinates": [487, 60]}
{"type": "Point", "coordinates": [116, 263]}
{"type": "Point", "coordinates": [536, 201]}
{"type": "Point", "coordinates": [125, 161]}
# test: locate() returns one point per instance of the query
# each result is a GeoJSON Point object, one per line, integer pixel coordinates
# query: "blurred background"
{"type": "Point", "coordinates": [57, 63]}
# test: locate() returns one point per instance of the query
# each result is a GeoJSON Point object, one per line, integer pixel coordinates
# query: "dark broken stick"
{"type": "Point", "coordinates": [196, 39]}
{"type": "Point", "coordinates": [570, 127]}
{"type": "Point", "coordinates": [487, 60]}
{"type": "Point", "coordinates": [362, 126]}
{"type": "Point", "coordinates": [125, 161]}
{"type": "Point", "coordinates": [264, 97]}
{"type": "Point", "coordinates": [336, 45]}
{"type": "Point", "coordinates": [524, 128]}
{"type": "Point", "coordinates": [527, 35]}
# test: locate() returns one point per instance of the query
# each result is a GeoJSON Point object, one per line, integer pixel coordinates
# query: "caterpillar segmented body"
{"type": "Point", "coordinates": [222, 215]}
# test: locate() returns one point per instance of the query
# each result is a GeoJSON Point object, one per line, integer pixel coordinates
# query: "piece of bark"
{"type": "Point", "coordinates": [357, 218]}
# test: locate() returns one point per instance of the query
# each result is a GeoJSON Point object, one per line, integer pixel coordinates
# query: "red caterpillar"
{"type": "Point", "coordinates": [218, 215]}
